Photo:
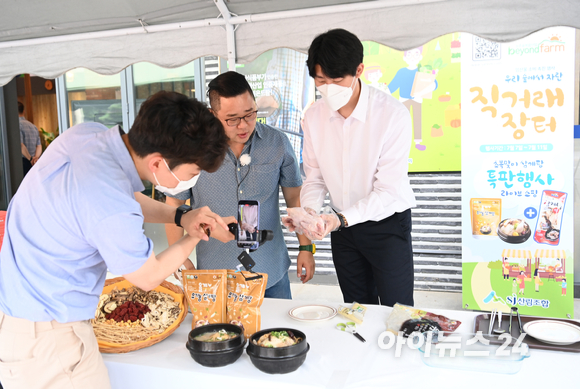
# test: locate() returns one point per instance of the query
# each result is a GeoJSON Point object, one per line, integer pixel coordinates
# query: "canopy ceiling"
{"type": "Point", "coordinates": [48, 38]}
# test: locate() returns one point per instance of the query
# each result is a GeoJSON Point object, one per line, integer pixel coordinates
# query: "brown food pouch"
{"type": "Point", "coordinates": [244, 299]}
{"type": "Point", "coordinates": [485, 217]}
{"type": "Point", "coordinates": [206, 294]}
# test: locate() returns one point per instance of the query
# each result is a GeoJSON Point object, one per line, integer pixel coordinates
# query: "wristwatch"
{"type": "Point", "coordinates": [310, 247]}
{"type": "Point", "coordinates": [343, 222]}
{"type": "Point", "coordinates": [179, 212]}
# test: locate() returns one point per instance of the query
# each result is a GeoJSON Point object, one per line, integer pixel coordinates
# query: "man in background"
{"type": "Point", "coordinates": [29, 141]}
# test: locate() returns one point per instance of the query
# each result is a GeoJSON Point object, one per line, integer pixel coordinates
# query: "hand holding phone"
{"type": "Point", "coordinates": [222, 235]}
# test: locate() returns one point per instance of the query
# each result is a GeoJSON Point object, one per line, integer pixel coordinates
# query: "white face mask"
{"type": "Point", "coordinates": [182, 186]}
{"type": "Point", "coordinates": [336, 96]}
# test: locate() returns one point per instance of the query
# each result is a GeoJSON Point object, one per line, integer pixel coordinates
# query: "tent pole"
{"type": "Point", "coordinates": [62, 104]}
{"type": "Point", "coordinates": [230, 34]}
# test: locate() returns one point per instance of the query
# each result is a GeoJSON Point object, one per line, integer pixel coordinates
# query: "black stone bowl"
{"type": "Point", "coordinates": [513, 239]}
{"type": "Point", "coordinates": [280, 352]}
{"type": "Point", "coordinates": [216, 354]}
{"type": "Point", "coordinates": [197, 345]}
{"type": "Point", "coordinates": [279, 365]}
{"type": "Point", "coordinates": [217, 358]}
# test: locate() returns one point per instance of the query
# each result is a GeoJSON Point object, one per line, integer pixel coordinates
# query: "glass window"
{"type": "Point", "coordinates": [150, 79]}
{"type": "Point", "coordinates": [93, 97]}
{"type": "Point", "coordinates": [283, 91]}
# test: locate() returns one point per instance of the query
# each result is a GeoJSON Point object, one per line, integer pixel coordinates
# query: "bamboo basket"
{"type": "Point", "coordinates": [166, 287]}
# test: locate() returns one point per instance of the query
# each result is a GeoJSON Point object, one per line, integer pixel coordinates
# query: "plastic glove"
{"type": "Point", "coordinates": [300, 220]}
{"type": "Point", "coordinates": [331, 223]}
{"type": "Point", "coordinates": [311, 211]}
{"type": "Point", "coordinates": [289, 221]}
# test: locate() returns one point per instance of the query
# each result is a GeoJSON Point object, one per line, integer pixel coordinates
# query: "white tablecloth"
{"type": "Point", "coordinates": [336, 360]}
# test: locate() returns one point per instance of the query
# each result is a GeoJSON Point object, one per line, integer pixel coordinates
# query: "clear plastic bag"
{"type": "Point", "coordinates": [401, 313]}
{"type": "Point", "coordinates": [303, 222]}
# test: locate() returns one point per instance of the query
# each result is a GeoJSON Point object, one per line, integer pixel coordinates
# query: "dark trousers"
{"type": "Point", "coordinates": [26, 166]}
{"type": "Point", "coordinates": [375, 260]}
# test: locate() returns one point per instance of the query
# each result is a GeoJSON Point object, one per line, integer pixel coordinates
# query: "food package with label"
{"type": "Point", "coordinates": [485, 217]}
{"type": "Point", "coordinates": [205, 291]}
{"type": "Point", "coordinates": [549, 224]}
{"type": "Point", "coordinates": [354, 313]}
{"type": "Point", "coordinates": [245, 295]}
{"type": "Point", "coordinates": [407, 319]}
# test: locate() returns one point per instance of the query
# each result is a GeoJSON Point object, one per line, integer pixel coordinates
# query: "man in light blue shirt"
{"type": "Point", "coordinates": [80, 212]}
{"type": "Point", "coordinates": [259, 160]}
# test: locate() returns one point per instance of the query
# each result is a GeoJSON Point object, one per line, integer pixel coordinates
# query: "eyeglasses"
{"type": "Point", "coordinates": [249, 118]}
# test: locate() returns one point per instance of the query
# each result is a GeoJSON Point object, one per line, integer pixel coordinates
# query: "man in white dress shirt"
{"type": "Point", "coordinates": [356, 146]}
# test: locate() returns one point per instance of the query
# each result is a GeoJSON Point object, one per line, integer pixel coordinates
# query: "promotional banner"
{"type": "Point", "coordinates": [427, 80]}
{"type": "Point", "coordinates": [283, 90]}
{"type": "Point", "coordinates": [517, 171]}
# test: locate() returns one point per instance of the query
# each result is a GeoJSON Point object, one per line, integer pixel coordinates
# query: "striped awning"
{"type": "Point", "coordinates": [513, 253]}
{"type": "Point", "coordinates": [547, 253]}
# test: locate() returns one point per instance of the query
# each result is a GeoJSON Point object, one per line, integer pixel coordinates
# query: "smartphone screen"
{"type": "Point", "coordinates": [248, 224]}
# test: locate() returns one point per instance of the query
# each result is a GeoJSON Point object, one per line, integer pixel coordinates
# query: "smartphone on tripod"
{"type": "Point", "coordinates": [248, 224]}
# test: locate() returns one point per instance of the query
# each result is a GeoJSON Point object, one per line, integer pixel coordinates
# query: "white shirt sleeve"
{"type": "Point", "coordinates": [313, 189]}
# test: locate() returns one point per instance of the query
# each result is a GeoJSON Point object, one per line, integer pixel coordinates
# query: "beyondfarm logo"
{"type": "Point", "coordinates": [553, 44]}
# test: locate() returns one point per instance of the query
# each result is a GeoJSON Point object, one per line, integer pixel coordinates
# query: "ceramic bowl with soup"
{"type": "Point", "coordinates": [216, 345]}
{"type": "Point", "coordinates": [514, 230]}
{"type": "Point", "coordinates": [278, 350]}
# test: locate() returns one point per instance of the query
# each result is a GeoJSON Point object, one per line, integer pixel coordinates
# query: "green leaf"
{"type": "Point", "coordinates": [280, 334]}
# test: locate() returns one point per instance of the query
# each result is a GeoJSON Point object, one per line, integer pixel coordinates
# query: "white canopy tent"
{"type": "Point", "coordinates": [50, 38]}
